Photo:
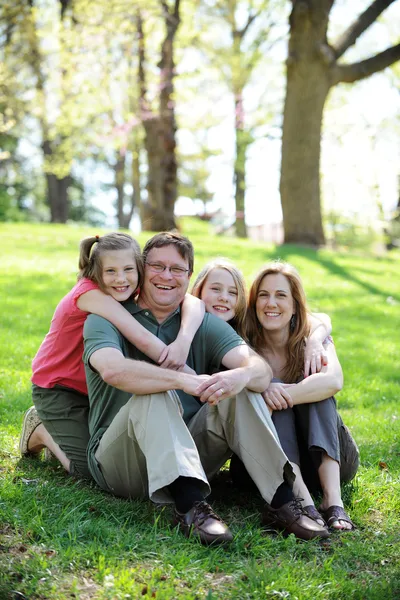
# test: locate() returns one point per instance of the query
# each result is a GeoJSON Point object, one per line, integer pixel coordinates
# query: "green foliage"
{"type": "Point", "coordinates": [349, 232]}
{"type": "Point", "coordinates": [60, 538]}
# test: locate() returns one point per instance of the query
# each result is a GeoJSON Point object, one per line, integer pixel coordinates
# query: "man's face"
{"type": "Point", "coordinates": [164, 291]}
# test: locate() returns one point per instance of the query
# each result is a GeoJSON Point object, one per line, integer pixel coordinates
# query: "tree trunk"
{"type": "Point", "coordinates": [155, 198]}
{"type": "Point", "coordinates": [57, 190]}
{"type": "Point", "coordinates": [57, 197]}
{"type": "Point", "coordinates": [169, 165]}
{"type": "Point", "coordinates": [160, 130]}
{"type": "Point", "coordinates": [308, 84]}
{"type": "Point", "coordinates": [300, 171]}
{"type": "Point", "coordinates": [312, 69]}
{"type": "Point", "coordinates": [119, 178]}
{"type": "Point", "coordinates": [168, 134]}
{"type": "Point", "coordinates": [155, 214]}
{"type": "Point", "coordinates": [241, 142]}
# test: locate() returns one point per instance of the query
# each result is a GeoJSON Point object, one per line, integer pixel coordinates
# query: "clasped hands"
{"type": "Point", "coordinates": [214, 388]}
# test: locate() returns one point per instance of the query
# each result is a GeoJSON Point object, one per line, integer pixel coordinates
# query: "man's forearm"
{"type": "Point", "coordinates": [259, 373]}
{"type": "Point", "coordinates": [254, 370]}
{"type": "Point", "coordinates": [140, 377]}
{"type": "Point", "coordinates": [250, 372]}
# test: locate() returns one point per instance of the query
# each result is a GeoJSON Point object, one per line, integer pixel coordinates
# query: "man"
{"type": "Point", "coordinates": [177, 429]}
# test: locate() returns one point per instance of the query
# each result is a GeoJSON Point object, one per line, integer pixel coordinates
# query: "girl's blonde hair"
{"type": "Point", "coordinates": [92, 249]}
{"type": "Point", "coordinates": [299, 327]}
{"type": "Point", "coordinates": [238, 322]}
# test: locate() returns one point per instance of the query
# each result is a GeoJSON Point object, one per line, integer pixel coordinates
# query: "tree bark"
{"type": "Point", "coordinates": [57, 197]}
{"type": "Point", "coordinates": [241, 143]}
{"type": "Point", "coordinates": [57, 190]}
{"type": "Point", "coordinates": [119, 180]}
{"type": "Point", "coordinates": [157, 213]}
{"type": "Point", "coordinates": [169, 165]}
{"type": "Point", "coordinates": [155, 177]}
{"type": "Point", "coordinates": [308, 84]}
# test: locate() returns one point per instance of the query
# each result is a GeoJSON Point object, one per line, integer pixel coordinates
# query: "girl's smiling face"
{"type": "Point", "coordinates": [219, 294]}
{"type": "Point", "coordinates": [120, 276]}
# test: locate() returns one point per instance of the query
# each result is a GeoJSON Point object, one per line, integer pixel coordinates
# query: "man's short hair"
{"type": "Point", "coordinates": [168, 238]}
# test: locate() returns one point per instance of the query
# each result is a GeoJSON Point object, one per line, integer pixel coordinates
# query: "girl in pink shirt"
{"type": "Point", "coordinates": [110, 272]}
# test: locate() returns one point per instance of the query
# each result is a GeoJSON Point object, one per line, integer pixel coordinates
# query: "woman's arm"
{"type": "Point", "coordinates": [175, 355]}
{"type": "Point", "coordinates": [319, 386]}
{"type": "Point", "coordinates": [314, 353]}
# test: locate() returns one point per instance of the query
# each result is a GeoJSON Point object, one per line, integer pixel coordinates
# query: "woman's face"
{"type": "Point", "coordinates": [219, 294]}
{"type": "Point", "coordinates": [275, 305]}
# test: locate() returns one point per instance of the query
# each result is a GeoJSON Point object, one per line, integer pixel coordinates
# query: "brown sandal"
{"type": "Point", "coordinates": [337, 513]}
{"type": "Point", "coordinates": [313, 513]}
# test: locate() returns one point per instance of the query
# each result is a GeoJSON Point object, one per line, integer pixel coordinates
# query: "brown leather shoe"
{"type": "Point", "coordinates": [292, 519]}
{"type": "Point", "coordinates": [202, 522]}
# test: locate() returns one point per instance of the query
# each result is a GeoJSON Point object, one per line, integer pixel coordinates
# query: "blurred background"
{"type": "Point", "coordinates": [273, 120]}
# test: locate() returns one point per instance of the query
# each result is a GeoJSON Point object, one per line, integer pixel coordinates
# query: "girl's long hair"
{"type": "Point", "coordinates": [238, 322]}
{"type": "Point", "coordinates": [258, 336]}
{"type": "Point", "coordinates": [92, 249]}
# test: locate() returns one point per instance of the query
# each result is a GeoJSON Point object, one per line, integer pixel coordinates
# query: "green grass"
{"type": "Point", "coordinates": [64, 539]}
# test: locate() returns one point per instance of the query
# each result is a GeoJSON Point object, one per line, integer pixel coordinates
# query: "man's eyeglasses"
{"type": "Point", "coordinates": [160, 268]}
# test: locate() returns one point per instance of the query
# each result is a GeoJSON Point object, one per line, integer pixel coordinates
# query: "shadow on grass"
{"type": "Point", "coordinates": [286, 252]}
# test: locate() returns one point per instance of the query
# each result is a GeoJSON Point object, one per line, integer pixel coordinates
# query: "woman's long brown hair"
{"type": "Point", "coordinates": [258, 336]}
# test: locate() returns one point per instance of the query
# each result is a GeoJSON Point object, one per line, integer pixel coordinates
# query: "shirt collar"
{"type": "Point", "coordinates": [135, 309]}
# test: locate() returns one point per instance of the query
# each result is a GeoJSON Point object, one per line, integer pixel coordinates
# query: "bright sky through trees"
{"type": "Point", "coordinates": [360, 151]}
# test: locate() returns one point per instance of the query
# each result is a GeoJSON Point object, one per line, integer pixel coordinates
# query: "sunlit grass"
{"type": "Point", "coordinates": [64, 539]}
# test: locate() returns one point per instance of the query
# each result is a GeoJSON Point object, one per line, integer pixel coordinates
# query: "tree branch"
{"type": "Point", "coordinates": [350, 36]}
{"type": "Point", "coordinates": [171, 18]}
{"type": "Point", "coordinates": [251, 18]}
{"type": "Point", "coordinates": [365, 68]}
{"type": "Point", "coordinates": [176, 9]}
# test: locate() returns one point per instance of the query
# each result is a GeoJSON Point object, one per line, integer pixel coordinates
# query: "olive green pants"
{"type": "Point", "coordinates": [64, 413]}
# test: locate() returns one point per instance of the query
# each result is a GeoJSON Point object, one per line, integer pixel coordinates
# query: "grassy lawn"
{"type": "Point", "coordinates": [65, 539]}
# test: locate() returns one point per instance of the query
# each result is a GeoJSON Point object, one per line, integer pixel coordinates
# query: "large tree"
{"type": "Point", "coordinates": [313, 69]}
{"type": "Point", "coordinates": [160, 125]}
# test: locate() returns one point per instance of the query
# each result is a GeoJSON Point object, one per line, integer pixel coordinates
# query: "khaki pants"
{"type": "Point", "coordinates": [148, 445]}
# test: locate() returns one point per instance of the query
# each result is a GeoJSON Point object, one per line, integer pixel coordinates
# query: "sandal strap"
{"type": "Point", "coordinates": [313, 513]}
{"type": "Point", "coordinates": [336, 513]}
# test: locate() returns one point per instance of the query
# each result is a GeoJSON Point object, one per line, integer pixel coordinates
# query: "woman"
{"type": "Point", "coordinates": [312, 434]}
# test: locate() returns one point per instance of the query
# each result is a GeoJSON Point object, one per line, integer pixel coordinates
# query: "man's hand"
{"type": "Point", "coordinates": [192, 383]}
{"type": "Point", "coordinates": [277, 396]}
{"type": "Point", "coordinates": [223, 385]}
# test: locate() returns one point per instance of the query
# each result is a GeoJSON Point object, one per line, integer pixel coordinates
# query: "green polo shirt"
{"type": "Point", "coordinates": [212, 341]}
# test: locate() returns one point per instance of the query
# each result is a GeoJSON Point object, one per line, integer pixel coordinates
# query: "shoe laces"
{"type": "Point", "coordinates": [204, 511]}
{"type": "Point", "coordinates": [296, 505]}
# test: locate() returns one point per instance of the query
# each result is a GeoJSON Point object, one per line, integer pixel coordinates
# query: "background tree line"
{"type": "Point", "coordinates": [88, 88]}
